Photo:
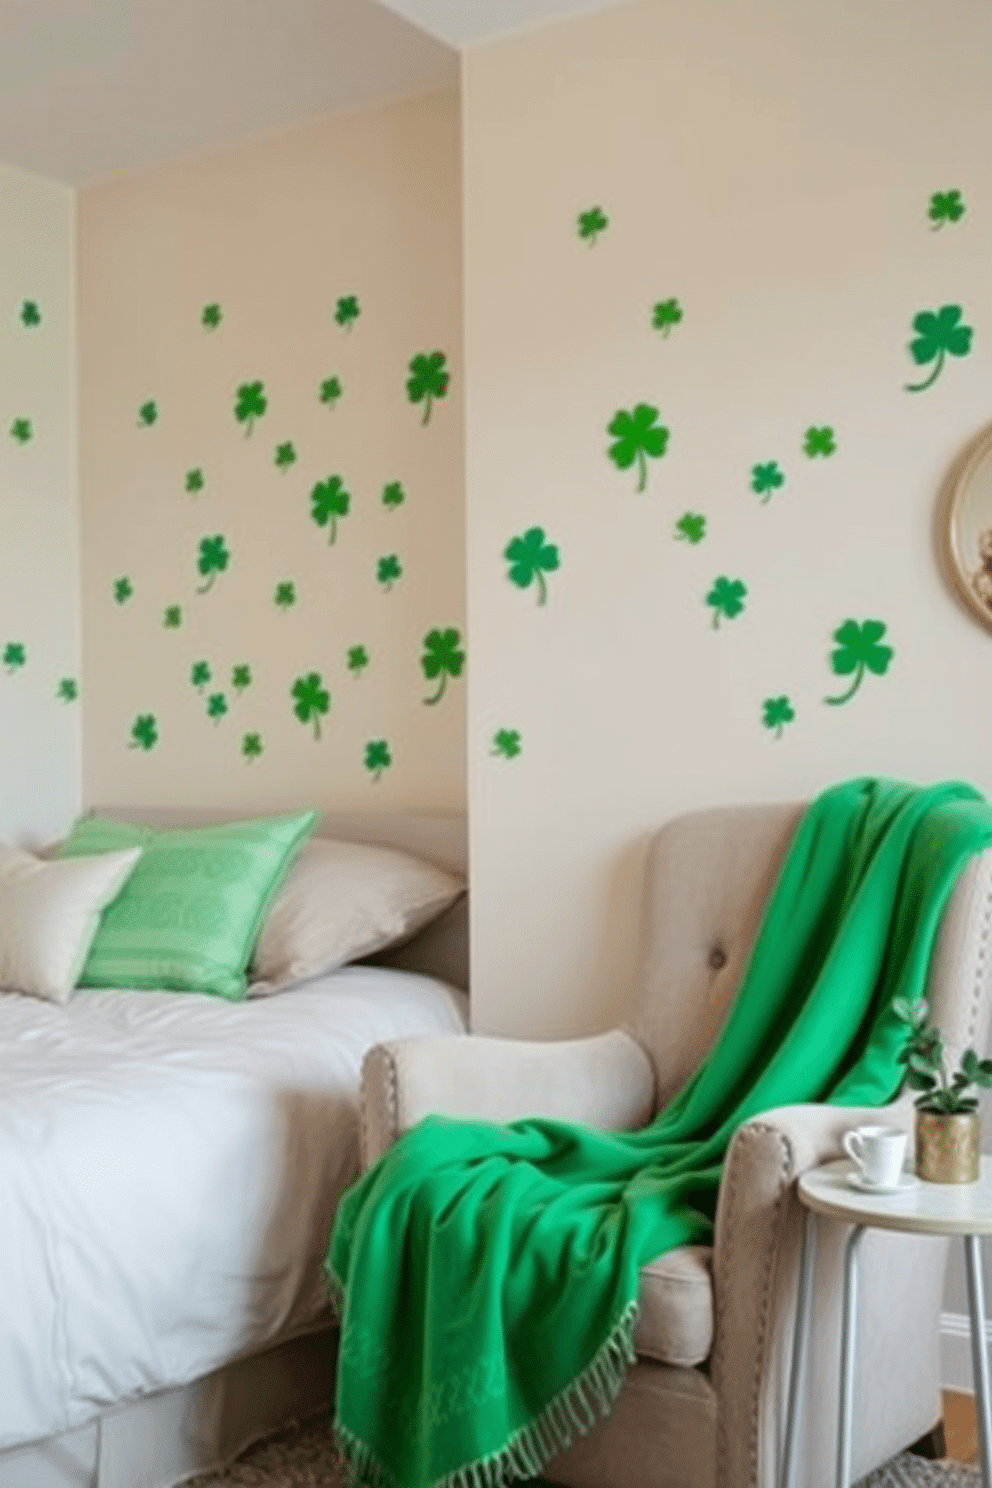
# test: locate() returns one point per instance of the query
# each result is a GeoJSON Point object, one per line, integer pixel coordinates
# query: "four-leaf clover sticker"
{"type": "Point", "coordinates": [443, 657]}
{"type": "Point", "coordinates": [945, 206]}
{"type": "Point", "coordinates": [214, 558]}
{"type": "Point", "coordinates": [14, 656]}
{"type": "Point", "coordinates": [776, 712]}
{"type": "Point", "coordinates": [859, 647]}
{"type": "Point", "coordinates": [506, 743]}
{"type": "Point", "coordinates": [377, 757]}
{"type": "Point", "coordinates": [530, 557]}
{"type": "Point", "coordinates": [250, 403]}
{"type": "Point", "coordinates": [726, 598]}
{"type": "Point", "coordinates": [637, 435]}
{"type": "Point", "coordinates": [765, 479]}
{"type": "Point", "coordinates": [819, 441]}
{"type": "Point", "coordinates": [591, 223]}
{"type": "Point", "coordinates": [21, 430]}
{"type": "Point", "coordinates": [938, 333]}
{"type": "Point", "coordinates": [691, 527]}
{"type": "Point", "coordinates": [666, 313]}
{"type": "Point", "coordinates": [311, 700]}
{"type": "Point", "coordinates": [358, 660]}
{"type": "Point", "coordinates": [347, 311]}
{"type": "Point", "coordinates": [144, 732]}
{"type": "Point", "coordinates": [328, 501]}
{"type": "Point", "coordinates": [428, 380]}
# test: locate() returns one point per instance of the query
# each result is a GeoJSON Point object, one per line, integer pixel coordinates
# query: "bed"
{"type": "Point", "coordinates": [169, 1170]}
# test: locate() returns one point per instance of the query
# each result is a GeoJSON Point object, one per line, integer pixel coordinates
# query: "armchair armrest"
{"type": "Point", "coordinates": [606, 1081]}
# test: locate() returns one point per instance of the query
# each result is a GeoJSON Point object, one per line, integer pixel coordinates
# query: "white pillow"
{"type": "Point", "coordinates": [342, 901]}
{"type": "Point", "coordinates": [49, 914]}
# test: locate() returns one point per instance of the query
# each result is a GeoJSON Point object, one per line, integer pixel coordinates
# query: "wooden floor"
{"type": "Point", "coordinates": [960, 1427]}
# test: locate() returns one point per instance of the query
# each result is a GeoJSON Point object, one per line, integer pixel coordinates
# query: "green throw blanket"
{"type": "Point", "coordinates": [487, 1276]}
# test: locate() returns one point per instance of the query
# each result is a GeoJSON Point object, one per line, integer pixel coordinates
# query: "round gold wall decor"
{"type": "Point", "coordinates": [966, 528]}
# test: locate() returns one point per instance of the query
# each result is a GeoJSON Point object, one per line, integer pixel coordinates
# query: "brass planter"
{"type": "Point", "coordinates": [948, 1148]}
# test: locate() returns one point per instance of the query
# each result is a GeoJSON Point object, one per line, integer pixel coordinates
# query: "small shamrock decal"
{"type": "Point", "coordinates": [123, 589]}
{"type": "Point", "coordinates": [765, 479]}
{"type": "Point", "coordinates": [67, 690]}
{"type": "Point", "coordinates": [377, 757]}
{"type": "Point", "coordinates": [388, 570]}
{"type": "Point", "coordinates": [285, 594]}
{"type": "Point", "coordinates": [530, 557]}
{"type": "Point", "coordinates": [727, 598]}
{"type": "Point", "coordinates": [251, 746]}
{"type": "Point", "coordinates": [666, 313]}
{"type": "Point", "coordinates": [30, 314]}
{"type": "Point", "coordinates": [311, 700]}
{"type": "Point", "coordinates": [819, 441]}
{"type": "Point", "coordinates": [194, 481]}
{"type": "Point", "coordinates": [393, 495]}
{"type": "Point", "coordinates": [858, 647]}
{"type": "Point", "coordinates": [241, 676]}
{"type": "Point", "coordinates": [506, 743]}
{"type": "Point", "coordinates": [691, 527]}
{"type": "Point", "coordinates": [347, 312]}
{"type": "Point", "coordinates": [358, 660]}
{"type": "Point", "coordinates": [443, 657]}
{"type": "Point", "coordinates": [428, 380]}
{"type": "Point", "coordinates": [591, 223]}
{"type": "Point", "coordinates": [945, 206]}
{"type": "Point", "coordinates": [14, 656]}
{"type": "Point", "coordinates": [250, 403]}
{"type": "Point", "coordinates": [776, 712]}
{"type": "Point", "coordinates": [285, 455]}
{"type": "Point", "coordinates": [147, 414]}
{"type": "Point", "coordinates": [637, 435]}
{"type": "Point", "coordinates": [21, 430]}
{"type": "Point", "coordinates": [211, 316]}
{"type": "Point", "coordinates": [330, 391]}
{"type": "Point", "coordinates": [200, 674]}
{"type": "Point", "coordinates": [144, 732]}
{"type": "Point", "coordinates": [216, 706]}
{"type": "Point", "coordinates": [214, 558]}
{"type": "Point", "coordinates": [328, 501]}
{"type": "Point", "coordinates": [172, 617]}
{"type": "Point", "coordinates": [938, 333]}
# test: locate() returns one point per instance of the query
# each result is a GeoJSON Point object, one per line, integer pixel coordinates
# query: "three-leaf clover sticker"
{"type": "Point", "coordinates": [200, 674]}
{"type": "Point", "coordinates": [285, 594]}
{"type": "Point", "coordinates": [859, 647]}
{"type": "Point", "coordinates": [591, 223]}
{"type": "Point", "coordinates": [388, 570]}
{"type": "Point", "coordinates": [666, 313]}
{"type": "Point", "coordinates": [819, 441]}
{"type": "Point", "coordinates": [194, 481]}
{"type": "Point", "coordinates": [250, 403]}
{"type": "Point", "coordinates": [938, 333]}
{"type": "Point", "coordinates": [14, 656]}
{"type": "Point", "coordinates": [945, 206]}
{"type": "Point", "coordinates": [147, 414]}
{"type": "Point", "coordinates": [285, 455]}
{"type": "Point", "coordinates": [67, 690]}
{"type": "Point", "coordinates": [123, 589]}
{"type": "Point", "coordinates": [216, 706]}
{"type": "Point", "coordinates": [377, 757]}
{"type": "Point", "coordinates": [428, 380]}
{"type": "Point", "coordinates": [213, 559]}
{"type": "Point", "coordinates": [726, 598]}
{"type": "Point", "coordinates": [241, 676]}
{"type": "Point", "coordinates": [347, 311]}
{"type": "Point", "coordinates": [311, 700]}
{"type": "Point", "coordinates": [691, 528]}
{"type": "Point", "coordinates": [443, 657]}
{"type": "Point", "coordinates": [506, 743]}
{"type": "Point", "coordinates": [358, 660]}
{"type": "Point", "coordinates": [637, 435]}
{"type": "Point", "coordinates": [328, 501]}
{"type": "Point", "coordinates": [776, 712]}
{"type": "Point", "coordinates": [172, 617]}
{"type": "Point", "coordinates": [530, 557]}
{"type": "Point", "coordinates": [30, 314]}
{"type": "Point", "coordinates": [765, 479]}
{"type": "Point", "coordinates": [393, 495]}
{"type": "Point", "coordinates": [21, 430]}
{"type": "Point", "coordinates": [211, 316]}
{"type": "Point", "coordinates": [330, 390]}
{"type": "Point", "coordinates": [144, 732]}
{"type": "Point", "coordinates": [251, 746]}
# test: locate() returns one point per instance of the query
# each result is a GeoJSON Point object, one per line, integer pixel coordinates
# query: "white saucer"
{"type": "Point", "coordinates": [906, 1182]}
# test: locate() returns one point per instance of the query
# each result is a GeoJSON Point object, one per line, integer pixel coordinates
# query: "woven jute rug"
{"type": "Point", "coordinates": [304, 1457]}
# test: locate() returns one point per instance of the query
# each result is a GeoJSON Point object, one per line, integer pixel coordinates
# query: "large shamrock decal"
{"type": "Point", "coordinates": [443, 657]}
{"type": "Point", "coordinates": [666, 313]}
{"type": "Point", "coordinates": [506, 743]}
{"type": "Point", "coordinates": [637, 435]}
{"type": "Point", "coordinates": [945, 206]}
{"type": "Point", "coordinates": [530, 557]}
{"type": "Point", "coordinates": [311, 700]}
{"type": "Point", "coordinates": [144, 732]}
{"type": "Point", "coordinates": [939, 333]}
{"type": "Point", "coordinates": [377, 757]}
{"type": "Point", "coordinates": [250, 403]}
{"type": "Point", "coordinates": [328, 501]}
{"type": "Point", "coordinates": [726, 598]}
{"type": "Point", "coordinates": [776, 713]}
{"type": "Point", "coordinates": [691, 527]}
{"type": "Point", "coordinates": [591, 223]}
{"type": "Point", "coordinates": [213, 559]}
{"type": "Point", "coordinates": [859, 647]}
{"type": "Point", "coordinates": [765, 479]}
{"type": "Point", "coordinates": [819, 441]}
{"type": "Point", "coordinates": [428, 380]}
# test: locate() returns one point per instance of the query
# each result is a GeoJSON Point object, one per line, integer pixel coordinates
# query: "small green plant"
{"type": "Point", "coordinates": [428, 380]}
{"type": "Point", "coordinates": [923, 1056]}
{"type": "Point", "coordinates": [591, 223]}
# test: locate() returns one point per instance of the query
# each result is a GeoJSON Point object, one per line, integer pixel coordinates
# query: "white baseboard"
{"type": "Point", "coordinates": [955, 1350]}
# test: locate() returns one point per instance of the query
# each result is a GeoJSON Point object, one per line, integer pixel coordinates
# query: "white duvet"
{"type": "Point", "coordinates": [169, 1169]}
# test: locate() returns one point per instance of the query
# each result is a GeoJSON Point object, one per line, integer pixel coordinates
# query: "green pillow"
{"type": "Point", "coordinates": [188, 917]}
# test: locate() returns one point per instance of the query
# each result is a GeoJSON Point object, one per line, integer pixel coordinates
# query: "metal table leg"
{"type": "Point", "coordinates": [847, 1342]}
{"type": "Point", "coordinates": [800, 1342]}
{"type": "Point", "coordinates": [979, 1356]}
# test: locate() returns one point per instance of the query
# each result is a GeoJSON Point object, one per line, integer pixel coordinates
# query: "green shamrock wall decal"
{"type": "Point", "coordinates": [428, 380]}
{"type": "Point", "coordinates": [358, 660]}
{"type": "Point", "coordinates": [200, 674]}
{"type": "Point", "coordinates": [637, 435]}
{"type": "Point", "coordinates": [330, 391]}
{"type": "Point", "coordinates": [172, 617]}
{"type": "Point", "coordinates": [213, 560]}
{"type": "Point", "coordinates": [388, 570]}
{"type": "Point", "coordinates": [328, 501]}
{"type": "Point", "coordinates": [776, 712]}
{"type": "Point", "coordinates": [945, 206]}
{"type": "Point", "coordinates": [311, 700]}
{"type": "Point", "coordinates": [123, 589]}
{"type": "Point", "coordinates": [67, 690]}
{"type": "Point", "coordinates": [393, 495]}
{"type": "Point", "coordinates": [194, 481]}
{"type": "Point", "coordinates": [147, 414]}
{"type": "Point", "coordinates": [591, 223]}
{"type": "Point", "coordinates": [285, 594]}
{"type": "Point", "coordinates": [250, 403]}
{"type": "Point", "coordinates": [347, 311]}
{"type": "Point", "coordinates": [858, 647]}
{"type": "Point", "coordinates": [216, 706]}
{"type": "Point", "coordinates": [15, 655]}
{"type": "Point", "coordinates": [765, 479]}
{"type": "Point", "coordinates": [443, 657]}
{"type": "Point", "coordinates": [530, 557]}
{"type": "Point", "coordinates": [666, 313]}
{"type": "Point", "coordinates": [938, 333]}
{"type": "Point", "coordinates": [144, 732]}
{"type": "Point", "coordinates": [285, 455]}
{"type": "Point", "coordinates": [21, 430]}
{"type": "Point", "coordinates": [251, 746]}
{"type": "Point", "coordinates": [691, 527]}
{"type": "Point", "coordinates": [30, 314]}
{"type": "Point", "coordinates": [241, 676]}
{"type": "Point", "coordinates": [377, 757]}
{"type": "Point", "coordinates": [506, 743]}
{"type": "Point", "coordinates": [211, 316]}
{"type": "Point", "coordinates": [819, 441]}
{"type": "Point", "coordinates": [726, 598]}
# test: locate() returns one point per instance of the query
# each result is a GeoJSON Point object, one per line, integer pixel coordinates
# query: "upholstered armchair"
{"type": "Point", "coordinates": [704, 1405]}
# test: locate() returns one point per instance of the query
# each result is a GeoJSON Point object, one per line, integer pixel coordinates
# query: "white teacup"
{"type": "Point", "coordinates": [879, 1152]}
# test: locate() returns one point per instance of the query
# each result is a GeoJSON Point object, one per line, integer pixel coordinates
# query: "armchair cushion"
{"type": "Point", "coordinates": [676, 1302]}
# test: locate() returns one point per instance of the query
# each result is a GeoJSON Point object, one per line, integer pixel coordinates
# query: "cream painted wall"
{"type": "Point", "coordinates": [275, 233]}
{"type": "Point", "coordinates": [39, 617]}
{"type": "Point", "coordinates": [771, 167]}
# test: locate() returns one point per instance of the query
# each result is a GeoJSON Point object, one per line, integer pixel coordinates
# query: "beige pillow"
{"type": "Point", "coordinates": [49, 914]}
{"type": "Point", "coordinates": [342, 901]}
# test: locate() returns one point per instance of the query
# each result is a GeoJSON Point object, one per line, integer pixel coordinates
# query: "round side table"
{"type": "Point", "coordinates": [926, 1209]}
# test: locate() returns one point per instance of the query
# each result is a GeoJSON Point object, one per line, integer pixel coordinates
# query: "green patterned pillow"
{"type": "Point", "coordinates": [188, 917]}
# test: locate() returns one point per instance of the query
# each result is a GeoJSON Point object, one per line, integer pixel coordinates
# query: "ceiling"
{"type": "Point", "coordinates": [92, 89]}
